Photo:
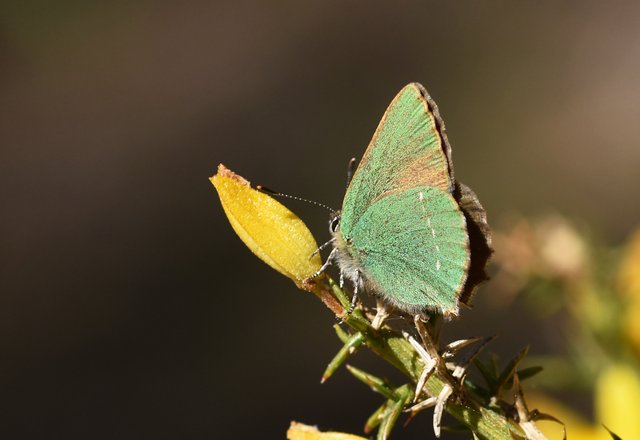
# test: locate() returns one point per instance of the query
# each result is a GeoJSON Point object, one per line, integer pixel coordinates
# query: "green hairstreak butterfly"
{"type": "Point", "coordinates": [407, 231]}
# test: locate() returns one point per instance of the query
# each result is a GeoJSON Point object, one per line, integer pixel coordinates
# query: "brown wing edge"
{"type": "Point", "coordinates": [479, 240]}
{"type": "Point", "coordinates": [446, 146]}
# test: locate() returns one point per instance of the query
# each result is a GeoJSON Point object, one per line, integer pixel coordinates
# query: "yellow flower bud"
{"type": "Point", "coordinates": [299, 431]}
{"type": "Point", "coordinates": [272, 232]}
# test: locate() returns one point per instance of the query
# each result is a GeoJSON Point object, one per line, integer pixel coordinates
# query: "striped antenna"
{"type": "Point", "coordinates": [271, 192]}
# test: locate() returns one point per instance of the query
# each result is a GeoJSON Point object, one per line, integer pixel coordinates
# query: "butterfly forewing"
{"type": "Point", "coordinates": [405, 151]}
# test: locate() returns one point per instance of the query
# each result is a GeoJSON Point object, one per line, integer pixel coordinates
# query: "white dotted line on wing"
{"type": "Point", "coordinates": [433, 232]}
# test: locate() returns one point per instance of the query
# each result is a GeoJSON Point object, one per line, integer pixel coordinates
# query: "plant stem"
{"type": "Point", "coordinates": [465, 406]}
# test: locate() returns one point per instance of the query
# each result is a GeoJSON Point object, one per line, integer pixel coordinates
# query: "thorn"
{"type": "Point", "coordinates": [441, 401]}
{"type": "Point", "coordinates": [430, 362]}
{"type": "Point", "coordinates": [460, 369]}
{"type": "Point", "coordinates": [429, 368]}
{"type": "Point", "coordinates": [426, 403]}
{"type": "Point", "coordinates": [537, 415]}
{"type": "Point", "coordinates": [426, 357]}
{"type": "Point", "coordinates": [525, 421]}
{"type": "Point", "coordinates": [454, 347]}
{"type": "Point", "coordinates": [381, 315]}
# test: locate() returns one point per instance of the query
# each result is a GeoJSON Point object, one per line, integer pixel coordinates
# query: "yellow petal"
{"type": "Point", "coordinates": [618, 400]}
{"type": "Point", "coordinates": [299, 431]}
{"type": "Point", "coordinates": [272, 232]}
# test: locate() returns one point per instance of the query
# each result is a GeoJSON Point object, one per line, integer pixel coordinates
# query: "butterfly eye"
{"type": "Point", "coordinates": [334, 223]}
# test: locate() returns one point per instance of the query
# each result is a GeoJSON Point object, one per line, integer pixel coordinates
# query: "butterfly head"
{"type": "Point", "coordinates": [334, 227]}
{"type": "Point", "coordinates": [334, 223]}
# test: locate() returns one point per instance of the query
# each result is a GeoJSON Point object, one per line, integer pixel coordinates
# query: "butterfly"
{"type": "Point", "coordinates": [408, 232]}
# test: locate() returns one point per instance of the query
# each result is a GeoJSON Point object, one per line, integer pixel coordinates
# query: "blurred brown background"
{"type": "Point", "coordinates": [128, 307]}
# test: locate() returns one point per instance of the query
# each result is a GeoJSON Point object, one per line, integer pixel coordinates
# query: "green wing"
{"type": "Point", "coordinates": [408, 149]}
{"type": "Point", "coordinates": [413, 249]}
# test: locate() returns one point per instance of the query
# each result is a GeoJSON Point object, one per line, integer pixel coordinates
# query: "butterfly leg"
{"type": "Point", "coordinates": [321, 247]}
{"type": "Point", "coordinates": [356, 283]}
{"type": "Point", "coordinates": [356, 288]}
{"type": "Point", "coordinates": [326, 264]}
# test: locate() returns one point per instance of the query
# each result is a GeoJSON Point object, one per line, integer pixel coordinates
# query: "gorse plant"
{"type": "Point", "coordinates": [553, 265]}
{"type": "Point", "coordinates": [436, 376]}
{"type": "Point", "coordinates": [414, 236]}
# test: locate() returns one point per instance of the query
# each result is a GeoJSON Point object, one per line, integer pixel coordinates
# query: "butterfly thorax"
{"type": "Point", "coordinates": [348, 258]}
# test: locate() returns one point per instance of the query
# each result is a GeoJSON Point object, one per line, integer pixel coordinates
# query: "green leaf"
{"type": "Point", "coordinates": [379, 385]}
{"type": "Point", "coordinates": [487, 373]}
{"type": "Point", "coordinates": [376, 418]}
{"type": "Point", "coordinates": [527, 373]}
{"type": "Point", "coordinates": [404, 395]}
{"type": "Point", "coordinates": [509, 370]}
{"type": "Point", "coordinates": [342, 335]}
{"type": "Point", "coordinates": [347, 349]}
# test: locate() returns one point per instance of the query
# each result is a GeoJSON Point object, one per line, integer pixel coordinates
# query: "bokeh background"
{"type": "Point", "coordinates": [128, 307]}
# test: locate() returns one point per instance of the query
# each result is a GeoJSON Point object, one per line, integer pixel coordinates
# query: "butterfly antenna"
{"type": "Point", "coordinates": [271, 192]}
{"type": "Point", "coordinates": [351, 168]}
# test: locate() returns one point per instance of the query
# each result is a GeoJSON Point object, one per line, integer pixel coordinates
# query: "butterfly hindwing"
{"type": "Point", "coordinates": [413, 248]}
